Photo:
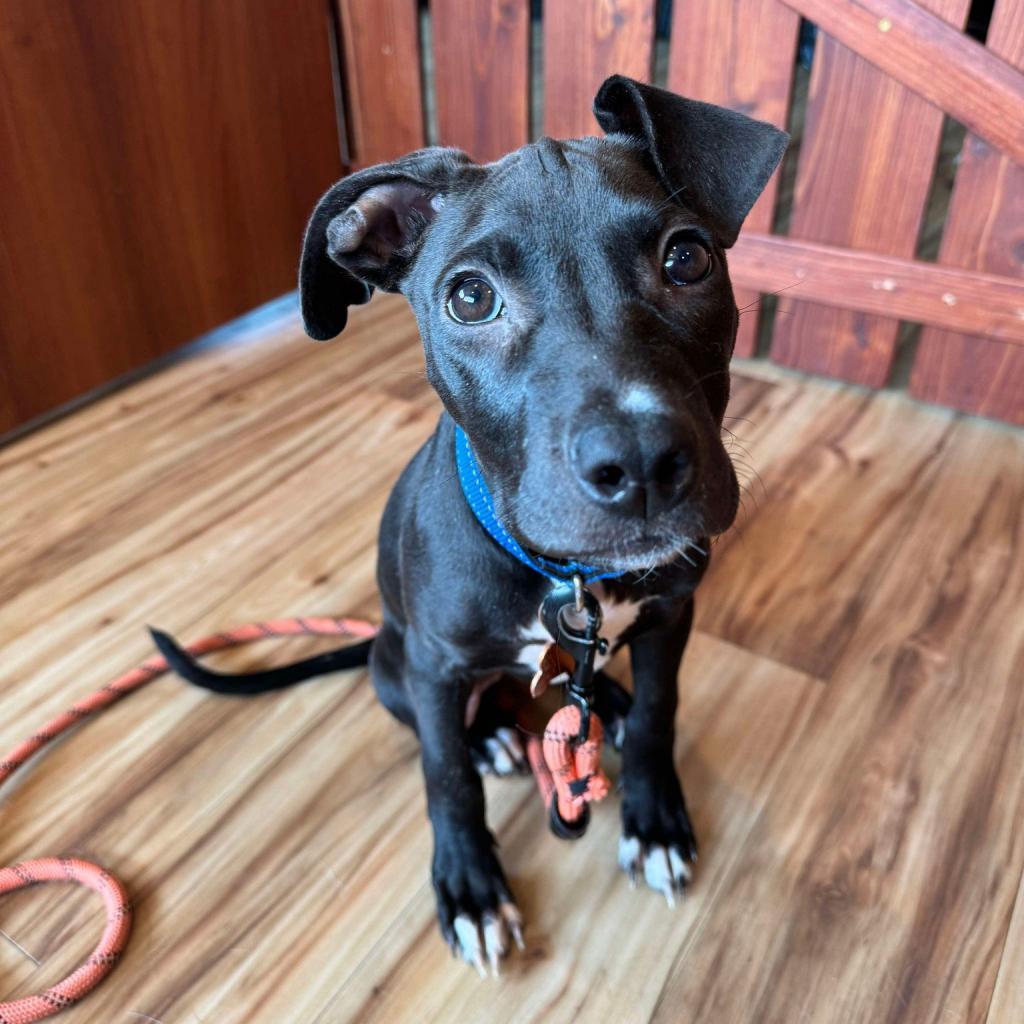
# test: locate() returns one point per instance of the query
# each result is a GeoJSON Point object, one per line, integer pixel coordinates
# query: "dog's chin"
{"type": "Point", "coordinates": [643, 547]}
{"type": "Point", "coordinates": [644, 559]}
{"type": "Point", "coordinates": [640, 555]}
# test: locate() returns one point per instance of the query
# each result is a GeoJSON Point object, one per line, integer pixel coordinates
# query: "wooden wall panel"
{"type": "Point", "coordinates": [984, 231]}
{"type": "Point", "coordinates": [739, 54]}
{"type": "Point", "coordinates": [865, 168]}
{"type": "Point", "coordinates": [381, 73]}
{"type": "Point", "coordinates": [158, 165]}
{"type": "Point", "coordinates": [481, 69]}
{"type": "Point", "coordinates": [583, 44]}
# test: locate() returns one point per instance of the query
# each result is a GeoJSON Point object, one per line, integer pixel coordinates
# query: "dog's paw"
{"type": "Point", "coordinates": [499, 753]}
{"type": "Point", "coordinates": [665, 869]}
{"type": "Point", "coordinates": [478, 917]}
{"type": "Point", "coordinates": [657, 841]}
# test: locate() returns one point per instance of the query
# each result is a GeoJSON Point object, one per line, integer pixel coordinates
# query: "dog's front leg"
{"type": "Point", "coordinates": [657, 837]}
{"type": "Point", "coordinates": [474, 904]}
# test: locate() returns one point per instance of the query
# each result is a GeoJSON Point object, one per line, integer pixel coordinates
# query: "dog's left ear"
{"type": "Point", "coordinates": [365, 231]}
{"type": "Point", "coordinates": [715, 160]}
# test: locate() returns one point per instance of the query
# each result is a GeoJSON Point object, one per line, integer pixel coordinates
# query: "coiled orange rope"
{"type": "Point", "coordinates": [53, 869]}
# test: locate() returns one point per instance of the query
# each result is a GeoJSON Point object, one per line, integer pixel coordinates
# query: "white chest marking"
{"type": "Point", "coordinates": [617, 617]}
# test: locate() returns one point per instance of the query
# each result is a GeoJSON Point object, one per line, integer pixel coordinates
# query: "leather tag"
{"type": "Point", "coordinates": [554, 662]}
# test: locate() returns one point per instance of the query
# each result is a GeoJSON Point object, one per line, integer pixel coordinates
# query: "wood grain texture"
{"type": "Point", "coordinates": [910, 40]}
{"type": "Point", "coordinates": [947, 296]}
{"type": "Point", "coordinates": [984, 231]}
{"type": "Point", "coordinates": [584, 43]}
{"type": "Point", "coordinates": [1008, 998]}
{"type": "Point", "coordinates": [159, 163]}
{"type": "Point", "coordinates": [738, 54]}
{"type": "Point", "coordinates": [381, 78]}
{"type": "Point", "coordinates": [854, 508]}
{"type": "Point", "coordinates": [481, 69]}
{"type": "Point", "coordinates": [856, 785]}
{"type": "Point", "coordinates": [865, 168]}
{"type": "Point", "coordinates": [882, 885]}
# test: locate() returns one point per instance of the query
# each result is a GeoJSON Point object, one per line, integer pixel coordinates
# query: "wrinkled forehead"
{"type": "Point", "coordinates": [568, 165]}
{"type": "Point", "coordinates": [549, 194]}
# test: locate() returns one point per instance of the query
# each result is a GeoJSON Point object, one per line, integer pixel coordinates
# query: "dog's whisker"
{"type": "Point", "coordinates": [649, 573]}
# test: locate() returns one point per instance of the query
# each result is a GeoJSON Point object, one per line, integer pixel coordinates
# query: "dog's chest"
{"type": "Point", "coordinates": [616, 618]}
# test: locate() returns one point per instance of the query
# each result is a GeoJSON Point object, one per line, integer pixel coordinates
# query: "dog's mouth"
{"type": "Point", "coordinates": [595, 537]}
{"type": "Point", "coordinates": [636, 557]}
{"type": "Point", "coordinates": [679, 537]}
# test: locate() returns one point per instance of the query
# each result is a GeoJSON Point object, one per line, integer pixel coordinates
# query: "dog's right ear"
{"type": "Point", "coordinates": [717, 160]}
{"type": "Point", "coordinates": [364, 233]}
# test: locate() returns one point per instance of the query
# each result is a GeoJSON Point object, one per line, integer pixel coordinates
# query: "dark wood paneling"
{"type": "Point", "coordinates": [159, 163]}
{"type": "Point", "coordinates": [739, 54]}
{"type": "Point", "coordinates": [481, 65]}
{"type": "Point", "coordinates": [865, 168]}
{"type": "Point", "coordinates": [984, 231]}
{"type": "Point", "coordinates": [384, 98]}
{"type": "Point", "coordinates": [583, 44]}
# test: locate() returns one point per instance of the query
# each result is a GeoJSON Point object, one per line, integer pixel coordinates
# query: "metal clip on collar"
{"type": "Point", "coordinates": [572, 615]}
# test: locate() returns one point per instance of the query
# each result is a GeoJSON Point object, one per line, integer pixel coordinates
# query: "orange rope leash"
{"type": "Point", "coordinates": [567, 772]}
{"type": "Point", "coordinates": [63, 869]}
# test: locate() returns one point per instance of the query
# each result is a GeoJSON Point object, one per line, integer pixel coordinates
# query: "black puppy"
{"type": "Point", "coordinates": [578, 321]}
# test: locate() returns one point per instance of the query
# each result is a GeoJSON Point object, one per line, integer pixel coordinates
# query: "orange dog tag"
{"type": "Point", "coordinates": [554, 662]}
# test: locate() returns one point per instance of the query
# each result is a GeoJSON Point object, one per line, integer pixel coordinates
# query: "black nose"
{"type": "Point", "coordinates": [639, 467]}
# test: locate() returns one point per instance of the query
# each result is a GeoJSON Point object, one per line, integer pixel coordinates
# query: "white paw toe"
{"type": "Point", "coordinates": [502, 753]}
{"type": "Point", "coordinates": [467, 935]}
{"type": "Point", "coordinates": [499, 756]}
{"type": "Point", "coordinates": [663, 868]}
{"type": "Point", "coordinates": [483, 944]}
{"type": "Point", "coordinates": [513, 744]}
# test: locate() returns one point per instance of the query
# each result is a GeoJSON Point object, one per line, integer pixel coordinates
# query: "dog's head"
{"type": "Point", "coordinates": [575, 309]}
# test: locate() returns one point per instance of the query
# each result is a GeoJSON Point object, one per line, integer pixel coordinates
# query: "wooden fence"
{"type": "Point", "coordinates": [884, 73]}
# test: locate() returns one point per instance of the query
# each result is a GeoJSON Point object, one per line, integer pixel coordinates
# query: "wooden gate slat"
{"type": "Point", "coordinates": [865, 167]}
{"type": "Point", "coordinates": [583, 44]}
{"type": "Point", "coordinates": [481, 65]}
{"type": "Point", "coordinates": [953, 298]}
{"type": "Point", "coordinates": [974, 85]}
{"type": "Point", "coordinates": [381, 76]}
{"type": "Point", "coordinates": [984, 231]}
{"type": "Point", "coordinates": [739, 54]}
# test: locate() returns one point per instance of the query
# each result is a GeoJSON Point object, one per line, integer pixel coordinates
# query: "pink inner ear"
{"type": "Point", "coordinates": [346, 231]}
{"type": "Point", "coordinates": [381, 220]}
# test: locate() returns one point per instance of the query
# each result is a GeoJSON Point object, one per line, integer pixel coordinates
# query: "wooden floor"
{"type": "Point", "coordinates": [851, 722]}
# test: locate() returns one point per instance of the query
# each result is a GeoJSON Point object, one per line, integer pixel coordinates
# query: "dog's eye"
{"type": "Point", "coordinates": [686, 260]}
{"type": "Point", "coordinates": [474, 301]}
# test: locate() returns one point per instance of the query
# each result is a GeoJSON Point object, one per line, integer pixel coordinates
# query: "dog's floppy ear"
{"type": "Point", "coordinates": [364, 231]}
{"type": "Point", "coordinates": [715, 160]}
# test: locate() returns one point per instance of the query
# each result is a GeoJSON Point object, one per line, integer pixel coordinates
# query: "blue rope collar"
{"type": "Point", "coordinates": [474, 487]}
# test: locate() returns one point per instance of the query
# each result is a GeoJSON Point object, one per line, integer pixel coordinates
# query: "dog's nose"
{"type": "Point", "coordinates": [639, 468]}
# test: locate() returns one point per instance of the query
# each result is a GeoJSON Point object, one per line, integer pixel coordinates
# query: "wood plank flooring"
{"type": "Point", "coordinates": [851, 721]}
